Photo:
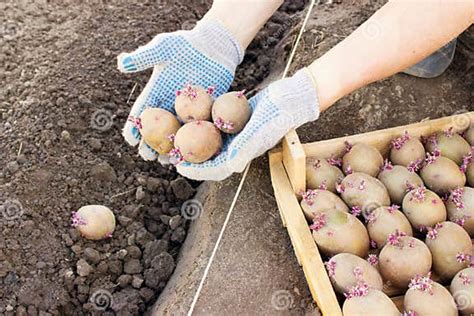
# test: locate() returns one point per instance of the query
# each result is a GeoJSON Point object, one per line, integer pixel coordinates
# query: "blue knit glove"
{"type": "Point", "coordinates": [283, 105]}
{"type": "Point", "coordinates": [205, 56]}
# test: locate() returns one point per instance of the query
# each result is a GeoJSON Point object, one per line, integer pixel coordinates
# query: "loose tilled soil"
{"type": "Point", "coordinates": [62, 107]}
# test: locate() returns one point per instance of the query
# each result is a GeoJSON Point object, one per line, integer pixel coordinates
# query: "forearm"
{"type": "Point", "coordinates": [243, 18]}
{"type": "Point", "coordinates": [397, 36]}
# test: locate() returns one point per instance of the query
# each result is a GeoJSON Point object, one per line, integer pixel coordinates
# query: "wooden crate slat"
{"type": "Point", "coordinates": [294, 159]}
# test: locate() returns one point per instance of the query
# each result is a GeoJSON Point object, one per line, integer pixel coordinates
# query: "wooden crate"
{"type": "Point", "coordinates": [288, 170]}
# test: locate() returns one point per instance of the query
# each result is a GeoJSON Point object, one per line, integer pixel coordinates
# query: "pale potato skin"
{"type": "Point", "coordinates": [343, 232]}
{"type": "Point", "coordinates": [191, 109]}
{"type": "Point", "coordinates": [467, 212]}
{"type": "Point", "coordinates": [463, 294]}
{"type": "Point", "coordinates": [372, 196]}
{"type": "Point", "coordinates": [100, 222]}
{"type": "Point", "coordinates": [454, 147]}
{"type": "Point", "coordinates": [198, 141]}
{"type": "Point", "coordinates": [426, 213]}
{"type": "Point", "coordinates": [376, 303]}
{"type": "Point", "coordinates": [343, 278]}
{"type": "Point", "coordinates": [451, 240]}
{"type": "Point", "coordinates": [363, 158]}
{"type": "Point", "coordinates": [396, 179]}
{"type": "Point", "coordinates": [470, 174]}
{"type": "Point", "coordinates": [157, 126]}
{"type": "Point", "coordinates": [399, 265]}
{"type": "Point", "coordinates": [440, 303]}
{"type": "Point", "coordinates": [387, 223]}
{"type": "Point", "coordinates": [319, 171]}
{"type": "Point", "coordinates": [469, 135]}
{"type": "Point", "coordinates": [443, 175]}
{"type": "Point", "coordinates": [232, 108]}
{"type": "Point", "coordinates": [412, 150]}
{"type": "Point", "coordinates": [324, 201]}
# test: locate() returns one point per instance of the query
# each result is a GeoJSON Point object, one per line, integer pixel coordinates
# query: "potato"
{"type": "Point", "coordinates": [320, 173]}
{"type": "Point", "coordinates": [460, 207]}
{"type": "Point", "coordinates": [317, 201]}
{"type": "Point", "coordinates": [371, 303]}
{"type": "Point", "coordinates": [193, 103]}
{"type": "Point", "coordinates": [442, 175]}
{"type": "Point", "coordinates": [451, 248]}
{"type": "Point", "coordinates": [363, 191]}
{"type": "Point", "coordinates": [384, 221]}
{"type": "Point", "coordinates": [94, 222]}
{"type": "Point", "coordinates": [470, 173]}
{"type": "Point", "coordinates": [451, 145]}
{"type": "Point", "coordinates": [428, 298]}
{"type": "Point", "coordinates": [158, 127]}
{"type": "Point", "coordinates": [406, 150]}
{"type": "Point", "coordinates": [337, 231]}
{"type": "Point", "coordinates": [362, 158]}
{"type": "Point", "coordinates": [231, 112]}
{"type": "Point", "coordinates": [423, 208]}
{"type": "Point", "coordinates": [462, 290]}
{"type": "Point", "coordinates": [198, 141]}
{"type": "Point", "coordinates": [398, 180]}
{"type": "Point", "coordinates": [469, 135]}
{"type": "Point", "coordinates": [402, 258]}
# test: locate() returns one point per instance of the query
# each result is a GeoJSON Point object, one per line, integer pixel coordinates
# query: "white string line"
{"type": "Point", "coordinates": [244, 176]}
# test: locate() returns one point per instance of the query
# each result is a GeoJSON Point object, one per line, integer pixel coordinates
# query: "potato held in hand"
{"type": "Point", "coordinates": [231, 111]}
{"type": "Point", "coordinates": [193, 103]}
{"type": "Point", "coordinates": [157, 128]}
{"type": "Point", "coordinates": [197, 141]}
{"type": "Point", "coordinates": [95, 222]}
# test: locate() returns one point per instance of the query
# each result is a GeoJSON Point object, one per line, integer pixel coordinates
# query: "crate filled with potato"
{"type": "Point", "coordinates": [382, 222]}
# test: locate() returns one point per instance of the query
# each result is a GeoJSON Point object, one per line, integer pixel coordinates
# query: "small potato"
{"type": "Point", "coordinates": [397, 180]}
{"type": "Point", "coordinates": [384, 221]}
{"type": "Point", "coordinates": [428, 298]}
{"type": "Point", "coordinates": [346, 270]}
{"type": "Point", "coordinates": [460, 207]}
{"type": "Point", "coordinates": [451, 145]}
{"type": "Point", "coordinates": [231, 112]}
{"type": "Point", "coordinates": [402, 258]}
{"type": "Point", "coordinates": [423, 208]}
{"type": "Point", "coordinates": [470, 173]}
{"type": "Point", "coordinates": [451, 247]}
{"type": "Point", "coordinates": [198, 141]}
{"type": "Point", "coordinates": [363, 191]}
{"type": "Point", "coordinates": [462, 290]}
{"type": "Point", "coordinates": [317, 201]}
{"type": "Point", "coordinates": [442, 175]}
{"type": "Point", "coordinates": [157, 128]}
{"type": "Point", "coordinates": [406, 150]}
{"type": "Point", "coordinates": [193, 103]}
{"type": "Point", "coordinates": [374, 303]}
{"type": "Point", "coordinates": [320, 173]}
{"type": "Point", "coordinates": [336, 232]}
{"type": "Point", "coordinates": [362, 158]}
{"type": "Point", "coordinates": [469, 135]}
{"type": "Point", "coordinates": [94, 222]}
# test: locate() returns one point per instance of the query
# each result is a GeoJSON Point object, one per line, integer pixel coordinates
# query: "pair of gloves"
{"type": "Point", "coordinates": [208, 56]}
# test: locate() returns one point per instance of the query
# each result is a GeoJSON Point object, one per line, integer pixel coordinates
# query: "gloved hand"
{"type": "Point", "coordinates": [283, 105]}
{"type": "Point", "coordinates": [206, 56]}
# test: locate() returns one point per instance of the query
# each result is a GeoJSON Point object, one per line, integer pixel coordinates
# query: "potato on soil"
{"type": "Point", "coordinates": [462, 290]}
{"type": "Point", "coordinates": [317, 201]}
{"type": "Point", "coordinates": [460, 207]}
{"type": "Point", "coordinates": [406, 150]}
{"type": "Point", "coordinates": [397, 180]}
{"type": "Point", "coordinates": [423, 208]}
{"type": "Point", "coordinates": [469, 135]}
{"type": "Point", "coordinates": [346, 270]}
{"type": "Point", "coordinates": [231, 112]}
{"type": "Point", "coordinates": [451, 145]}
{"type": "Point", "coordinates": [337, 231]}
{"type": "Point", "coordinates": [402, 258]}
{"type": "Point", "coordinates": [362, 158]}
{"type": "Point", "coordinates": [384, 221]}
{"type": "Point", "coordinates": [94, 222]}
{"type": "Point", "coordinates": [374, 303]}
{"type": "Point", "coordinates": [319, 173]}
{"type": "Point", "coordinates": [363, 191]}
{"type": "Point", "coordinates": [428, 298]}
{"type": "Point", "coordinates": [157, 128]}
{"type": "Point", "coordinates": [442, 175]}
{"type": "Point", "coordinates": [198, 141]}
{"type": "Point", "coordinates": [193, 103]}
{"type": "Point", "coordinates": [451, 248]}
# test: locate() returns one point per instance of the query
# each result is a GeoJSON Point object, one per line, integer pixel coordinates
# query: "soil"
{"type": "Point", "coordinates": [62, 107]}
